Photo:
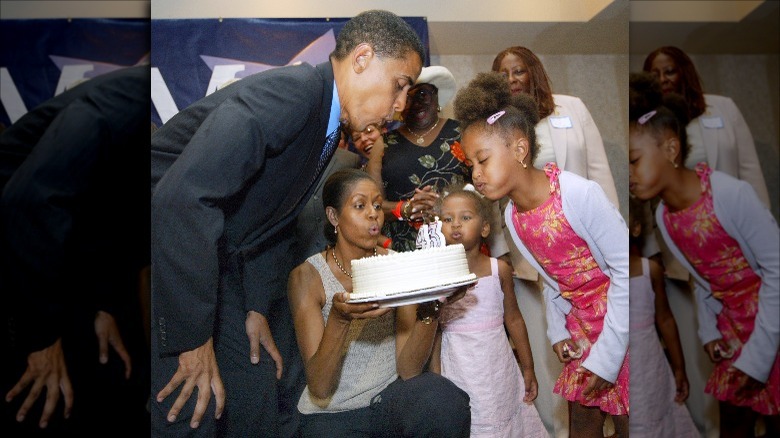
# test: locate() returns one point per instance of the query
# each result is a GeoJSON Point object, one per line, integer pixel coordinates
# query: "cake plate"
{"type": "Point", "coordinates": [416, 296]}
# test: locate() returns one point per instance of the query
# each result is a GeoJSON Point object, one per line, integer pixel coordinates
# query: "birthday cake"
{"type": "Point", "coordinates": [398, 273]}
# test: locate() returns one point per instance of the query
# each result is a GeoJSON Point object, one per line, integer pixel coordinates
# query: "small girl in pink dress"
{"type": "Point", "coordinates": [716, 226]}
{"type": "Point", "coordinates": [567, 228]}
{"type": "Point", "coordinates": [472, 348]}
{"type": "Point", "coordinates": [659, 386]}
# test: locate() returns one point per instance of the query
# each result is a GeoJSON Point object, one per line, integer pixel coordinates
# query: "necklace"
{"type": "Point", "coordinates": [420, 138]}
{"type": "Point", "coordinates": [336, 259]}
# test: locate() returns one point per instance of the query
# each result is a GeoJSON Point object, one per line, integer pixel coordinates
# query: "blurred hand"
{"type": "Point", "coordinates": [566, 350]}
{"type": "Point", "coordinates": [681, 382]}
{"type": "Point", "coordinates": [197, 367]}
{"type": "Point", "coordinates": [260, 334]}
{"type": "Point", "coordinates": [717, 350]}
{"type": "Point", "coordinates": [595, 382]}
{"type": "Point", "coordinates": [531, 386]}
{"type": "Point", "coordinates": [107, 332]}
{"type": "Point", "coordinates": [45, 369]}
{"type": "Point", "coordinates": [423, 202]}
{"type": "Point", "coordinates": [748, 386]}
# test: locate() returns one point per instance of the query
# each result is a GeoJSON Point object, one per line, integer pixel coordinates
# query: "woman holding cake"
{"type": "Point", "coordinates": [567, 228]}
{"type": "Point", "coordinates": [364, 363]}
{"type": "Point", "coordinates": [472, 348]}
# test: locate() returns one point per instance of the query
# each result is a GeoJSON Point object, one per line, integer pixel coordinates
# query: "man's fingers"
{"type": "Point", "coordinates": [254, 347]}
{"type": "Point", "coordinates": [67, 395]}
{"type": "Point", "coordinates": [19, 387]}
{"type": "Point", "coordinates": [171, 386]}
{"type": "Point", "coordinates": [103, 347]}
{"type": "Point", "coordinates": [219, 395]}
{"type": "Point", "coordinates": [120, 349]}
{"type": "Point", "coordinates": [35, 391]}
{"type": "Point", "coordinates": [270, 347]}
{"type": "Point", "coordinates": [204, 394]}
{"type": "Point", "coordinates": [52, 396]}
{"type": "Point", "coordinates": [184, 395]}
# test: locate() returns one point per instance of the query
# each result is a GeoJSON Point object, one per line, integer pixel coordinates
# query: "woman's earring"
{"type": "Point", "coordinates": [336, 229]}
{"type": "Point", "coordinates": [525, 166]}
{"type": "Point", "coordinates": [674, 164]}
{"type": "Point", "coordinates": [438, 109]}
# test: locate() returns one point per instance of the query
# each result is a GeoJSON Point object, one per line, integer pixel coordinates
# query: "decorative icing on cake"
{"type": "Point", "coordinates": [401, 272]}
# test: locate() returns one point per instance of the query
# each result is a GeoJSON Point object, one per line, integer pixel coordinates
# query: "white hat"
{"type": "Point", "coordinates": [442, 79]}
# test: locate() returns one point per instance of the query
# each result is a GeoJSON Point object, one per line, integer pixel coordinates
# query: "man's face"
{"type": "Point", "coordinates": [378, 89]}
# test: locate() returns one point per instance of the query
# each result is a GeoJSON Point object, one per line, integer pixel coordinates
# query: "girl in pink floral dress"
{"type": "Point", "coordinates": [719, 230]}
{"type": "Point", "coordinates": [573, 235]}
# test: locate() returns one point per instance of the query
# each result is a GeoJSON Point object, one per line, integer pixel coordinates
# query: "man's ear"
{"type": "Point", "coordinates": [362, 55]}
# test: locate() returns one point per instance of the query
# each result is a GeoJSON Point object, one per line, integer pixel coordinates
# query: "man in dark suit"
{"type": "Point", "coordinates": [74, 233]}
{"type": "Point", "coordinates": [230, 174]}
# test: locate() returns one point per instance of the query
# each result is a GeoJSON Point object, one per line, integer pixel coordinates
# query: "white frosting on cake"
{"type": "Point", "coordinates": [397, 273]}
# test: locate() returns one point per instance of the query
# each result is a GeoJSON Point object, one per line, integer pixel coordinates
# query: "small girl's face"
{"type": "Point", "coordinates": [492, 162]}
{"type": "Point", "coordinates": [648, 166]}
{"type": "Point", "coordinates": [461, 223]}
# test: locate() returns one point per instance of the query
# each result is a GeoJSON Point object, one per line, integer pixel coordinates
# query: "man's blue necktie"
{"type": "Point", "coordinates": [330, 146]}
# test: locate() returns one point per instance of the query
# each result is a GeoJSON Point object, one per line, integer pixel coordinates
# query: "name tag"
{"type": "Point", "coordinates": [712, 122]}
{"type": "Point", "coordinates": [560, 122]}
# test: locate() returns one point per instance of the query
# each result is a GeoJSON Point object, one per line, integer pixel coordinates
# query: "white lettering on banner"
{"type": "Point", "coordinates": [161, 97]}
{"type": "Point", "coordinates": [9, 95]}
{"type": "Point", "coordinates": [222, 74]}
{"type": "Point", "coordinates": [70, 74]}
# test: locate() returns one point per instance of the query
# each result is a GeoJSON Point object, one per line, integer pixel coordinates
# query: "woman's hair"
{"type": "Point", "coordinates": [649, 109]}
{"type": "Point", "coordinates": [389, 35]}
{"type": "Point", "coordinates": [539, 82]}
{"type": "Point", "coordinates": [485, 96]}
{"type": "Point", "coordinates": [335, 191]}
{"type": "Point", "coordinates": [690, 85]}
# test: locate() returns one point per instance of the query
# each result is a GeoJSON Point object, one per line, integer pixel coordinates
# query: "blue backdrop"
{"type": "Point", "coordinates": [191, 58]}
{"type": "Point", "coordinates": [40, 58]}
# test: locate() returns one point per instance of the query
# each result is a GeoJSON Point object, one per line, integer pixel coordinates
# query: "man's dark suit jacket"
{"type": "Point", "coordinates": [74, 208]}
{"type": "Point", "coordinates": [229, 175]}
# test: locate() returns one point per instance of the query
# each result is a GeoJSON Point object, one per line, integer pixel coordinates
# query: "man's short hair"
{"type": "Point", "coordinates": [388, 34]}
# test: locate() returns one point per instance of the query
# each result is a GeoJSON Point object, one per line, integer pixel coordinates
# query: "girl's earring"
{"type": "Point", "coordinates": [525, 166]}
{"type": "Point", "coordinates": [674, 164]}
{"type": "Point", "coordinates": [438, 109]}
